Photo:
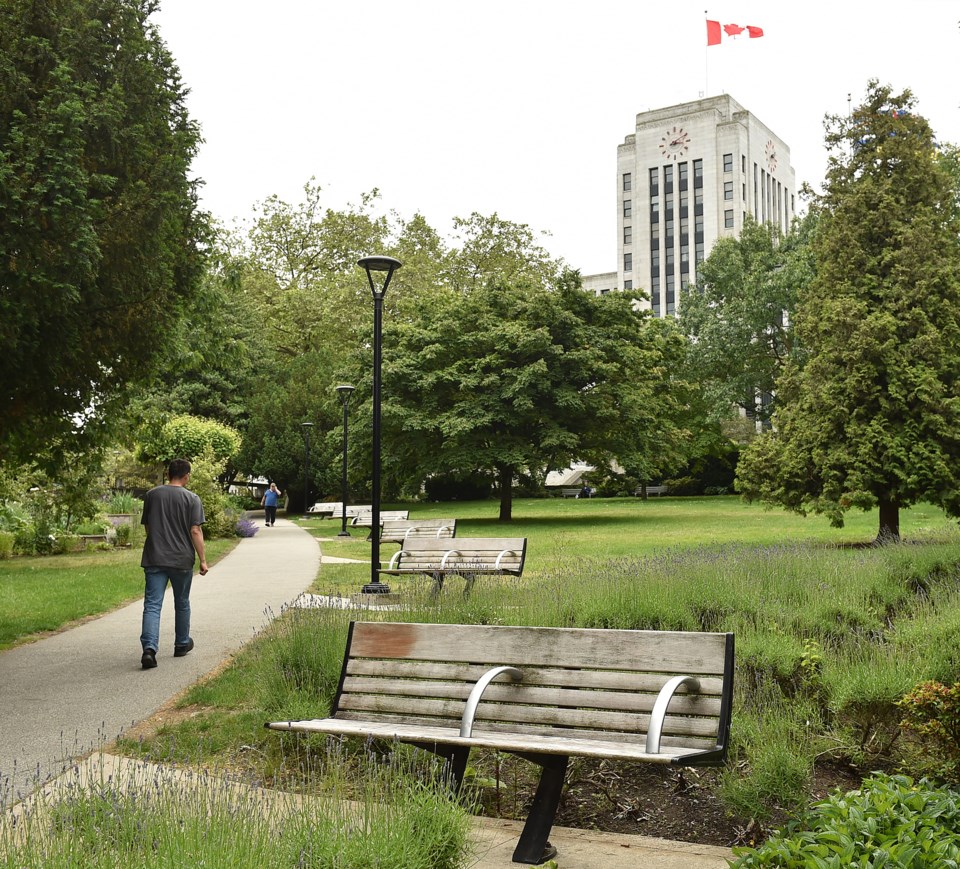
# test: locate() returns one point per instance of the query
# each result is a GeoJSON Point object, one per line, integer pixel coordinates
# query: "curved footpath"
{"type": "Point", "coordinates": [70, 694]}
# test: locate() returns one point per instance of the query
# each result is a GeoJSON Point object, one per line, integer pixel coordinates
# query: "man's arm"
{"type": "Point", "coordinates": [196, 532]}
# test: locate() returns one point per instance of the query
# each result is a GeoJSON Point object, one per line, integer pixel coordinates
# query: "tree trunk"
{"type": "Point", "coordinates": [643, 490]}
{"type": "Point", "coordinates": [506, 493]}
{"type": "Point", "coordinates": [889, 522]}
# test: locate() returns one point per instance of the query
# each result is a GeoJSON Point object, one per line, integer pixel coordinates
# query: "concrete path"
{"type": "Point", "coordinates": [70, 693]}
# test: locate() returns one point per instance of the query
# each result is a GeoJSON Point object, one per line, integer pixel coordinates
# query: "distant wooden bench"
{"type": "Point", "coordinates": [401, 530]}
{"type": "Point", "coordinates": [570, 493]}
{"type": "Point", "coordinates": [327, 508]}
{"type": "Point", "coordinates": [468, 557]}
{"type": "Point", "coordinates": [648, 696]}
{"type": "Point", "coordinates": [651, 490]}
{"type": "Point", "coordinates": [365, 520]}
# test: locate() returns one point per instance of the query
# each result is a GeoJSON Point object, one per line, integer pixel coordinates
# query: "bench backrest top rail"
{"type": "Point", "coordinates": [365, 520]}
{"type": "Point", "coordinates": [577, 683]}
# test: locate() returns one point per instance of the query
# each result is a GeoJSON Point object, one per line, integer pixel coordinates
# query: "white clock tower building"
{"type": "Point", "coordinates": [688, 175]}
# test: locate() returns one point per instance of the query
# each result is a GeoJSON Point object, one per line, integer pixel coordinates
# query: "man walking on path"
{"type": "Point", "coordinates": [269, 501]}
{"type": "Point", "coordinates": [173, 518]}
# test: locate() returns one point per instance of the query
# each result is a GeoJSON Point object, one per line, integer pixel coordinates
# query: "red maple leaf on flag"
{"type": "Point", "coordinates": [733, 29]}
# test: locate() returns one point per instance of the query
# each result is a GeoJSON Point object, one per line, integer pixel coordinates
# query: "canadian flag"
{"type": "Point", "coordinates": [716, 31]}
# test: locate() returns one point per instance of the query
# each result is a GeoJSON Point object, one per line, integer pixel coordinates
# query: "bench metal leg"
{"type": "Point", "coordinates": [533, 847]}
{"type": "Point", "coordinates": [456, 757]}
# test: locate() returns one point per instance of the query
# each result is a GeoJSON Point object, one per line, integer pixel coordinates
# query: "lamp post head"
{"type": "Point", "coordinates": [344, 390]}
{"type": "Point", "coordinates": [379, 264]}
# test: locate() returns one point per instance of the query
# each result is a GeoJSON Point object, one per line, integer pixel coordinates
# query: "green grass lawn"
{"type": "Point", "coordinates": [560, 529]}
{"type": "Point", "coordinates": [45, 593]}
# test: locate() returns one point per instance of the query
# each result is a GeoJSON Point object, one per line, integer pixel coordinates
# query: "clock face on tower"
{"type": "Point", "coordinates": [771, 153]}
{"type": "Point", "coordinates": [675, 143]}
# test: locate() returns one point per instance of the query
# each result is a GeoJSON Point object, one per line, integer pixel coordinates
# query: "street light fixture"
{"type": "Point", "coordinates": [306, 426]}
{"type": "Point", "coordinates": [344, 390]}
{"type": "Point", "coordinates": [386, 266]}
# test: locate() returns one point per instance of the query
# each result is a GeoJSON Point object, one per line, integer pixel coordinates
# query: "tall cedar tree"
{"type": "Point", "coordinates": [100, 235]}
{"type": "Point", "coordinates": [871, 416]}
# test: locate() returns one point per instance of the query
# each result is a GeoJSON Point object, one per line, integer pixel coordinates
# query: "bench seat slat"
{"type": "Point", "coordinates": [502, 741]}
{"type": "Point", "coordinates": [650, 651]}
{"type": "Point", "coordinates": [573, 678]}
{"type": "Point", "coordinates": [506, 693]}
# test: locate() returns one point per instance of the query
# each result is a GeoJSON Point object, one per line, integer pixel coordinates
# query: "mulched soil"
{"type": "Point", "coordinates": [648, 800]}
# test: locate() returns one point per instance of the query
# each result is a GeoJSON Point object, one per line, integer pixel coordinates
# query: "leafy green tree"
{"type": "Point", "coordinates": [509, 379]}
{"type": "Point", "coordinates": [100, 235]}
{"type": "Point", "coordinates": [740, 315]}
{"type": "Point", "coordinates": [188, 437]}
{"type": "Point", "coordinates": [870, 417]}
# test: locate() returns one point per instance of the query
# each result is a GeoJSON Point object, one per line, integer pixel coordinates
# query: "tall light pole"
{"type": "Point", "coordinates": [344, 390]}
{"type": "Point", "coordinates": [386, 266]}
{"type": "Point", "coordinates": [306, 426]}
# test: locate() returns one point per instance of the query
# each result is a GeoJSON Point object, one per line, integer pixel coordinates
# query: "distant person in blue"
{"type": "Point", "coordinates": [173, 519]}
{"type": "Point", "coordinates": [269, 501]}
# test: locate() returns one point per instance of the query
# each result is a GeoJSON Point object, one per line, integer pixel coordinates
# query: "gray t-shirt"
{"type": "Point", "coordinates": [169, 512]}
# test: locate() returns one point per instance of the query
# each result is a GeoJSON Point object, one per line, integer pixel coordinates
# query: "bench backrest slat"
{"type": "Point", "coordinates": [578, 683]}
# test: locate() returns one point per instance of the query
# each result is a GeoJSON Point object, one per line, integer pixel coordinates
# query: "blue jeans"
{"type": "Point", "coordinates": [155, 581]}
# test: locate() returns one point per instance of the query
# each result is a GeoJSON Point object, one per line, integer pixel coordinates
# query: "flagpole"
{"type": "Point", "coordinates": [706, 61]}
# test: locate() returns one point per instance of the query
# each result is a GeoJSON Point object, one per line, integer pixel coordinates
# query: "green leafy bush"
{"type": "Point", "coordinates": [889, 822]}
{"type": "Point", "coordinates": [932, 721]}
{"type": "Point", "coordinates": [6, 544]}
{"type": "Point", "coordinates": [124, 502]}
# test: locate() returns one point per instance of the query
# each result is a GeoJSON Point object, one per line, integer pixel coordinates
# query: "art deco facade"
{"type": "Point", "coordinates": [687, 176]}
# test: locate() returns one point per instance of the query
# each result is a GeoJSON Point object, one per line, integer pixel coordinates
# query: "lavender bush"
{"type": "Point", "coordinates": [246, 528]}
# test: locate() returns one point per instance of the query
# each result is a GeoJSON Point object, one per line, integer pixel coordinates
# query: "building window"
{"type": "Point", "coordinates": [627, 183]}
{"type": "Point", "coordinates": [655, 262]}
{"type": "Point", "coordinates": [698, 252]}
{"type": "Point", "coordinates": [728, 162]}
{"type": "Point", "coordinates": [698, 198]}
{"type": "Point", "coordinates": [627, 208]}
{"type": "Point", "coordinates": [698, 173]}
{"type": "Point", "coordinates": [668, 202]}
{"type": "Point", "coordinates": [743, 163]}
{"type": "Point", "coordinates": [654, 182]}
{"type": "Point", "coordinates": [728, 218]}
{"type": "Point", "coordinates": [655, 233]}
{"type": "Point", "coordinates": [728, 190]}
{"type": "Point", "coordinates": [628, 235]}
{"type": "Point", "coordinates": [628, 285]}
{"type": "Point", "coordinates": [682, 175]}
{"type": "Point", "coordinates": [628, 262]}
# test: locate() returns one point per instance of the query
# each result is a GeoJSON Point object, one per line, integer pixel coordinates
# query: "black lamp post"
{"type": "Point", "coordinates": [344, 390]}
{"type": "Point", "coordinates": [306, 426]}
{"type": "Point", "coordinates": [386, 265]}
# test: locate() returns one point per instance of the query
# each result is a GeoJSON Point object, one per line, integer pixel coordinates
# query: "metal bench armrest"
{"type": "Point", "coordinates": [473, 701]}
{"type": "Point", "coordinates": [396, 558]}
{"type": "Point", "coordinates": [446, 555]}
{"type": "Point", "coordinates": [500, 557]}
{"type": "Point", "coordinates": [660, 708]}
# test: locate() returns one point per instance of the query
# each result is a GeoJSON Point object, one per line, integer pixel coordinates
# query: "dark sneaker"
{"type": "Point", "coordinates": [180, 651]}
{"type": "Point", "coordinates": [149, 659]}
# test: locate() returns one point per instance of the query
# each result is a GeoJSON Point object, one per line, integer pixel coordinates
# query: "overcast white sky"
{"type": "Point", "coordinates": [517, 106]}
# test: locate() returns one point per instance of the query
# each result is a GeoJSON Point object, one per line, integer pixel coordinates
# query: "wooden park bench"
{"type": "Point", "coordinates": [365, 520]}
{"type": "Point", "coordinates": [651, 491]}
{"type": "Point", "coordinates": [468, 557]}
{"type": "Point", "coordinates": [326, 509]}
{"type": "Point", "coordinates": [570, 493]}
{"type": "Point", "coordinates": [544, 694]}
{"type": "Point", "coordinates": [401, 530]}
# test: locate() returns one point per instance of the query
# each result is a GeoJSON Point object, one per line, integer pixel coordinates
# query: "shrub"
{"type": "Point", "coordinates": [124, 533]}
{"type": "Point", "coordinates": [932, 721]}
{"type": "Point", "coordinates": [6, 544]}
{"type": "Point", "coordinates": [217, 510]}
{"type": "Point", "coordinates": [888, 822]}
{"type": "Point", "coordinates": [246, 528]}
{"type": "Point", "coordinates": [124, 502]}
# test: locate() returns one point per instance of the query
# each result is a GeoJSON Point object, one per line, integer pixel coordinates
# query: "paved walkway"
{"type": "Point", "coordinates": [75, 692]}
{"type": "Point", "coordinates": [70, 693]}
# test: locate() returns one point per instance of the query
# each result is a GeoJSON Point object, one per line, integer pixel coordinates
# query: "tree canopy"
{"type": "Point", "coordinates": [100, 235]}
{"type": "Point", "coordinates": [869, 415]}
{"type": "Point", "coordinates": [512, 378]}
